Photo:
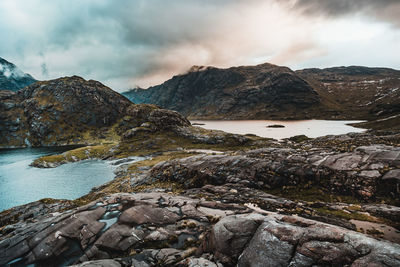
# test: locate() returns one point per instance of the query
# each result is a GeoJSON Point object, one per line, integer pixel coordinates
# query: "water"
{"type": "Point", "coordinates": [310, 128]}
{"type": "Point", "coordinates": [21, 184]}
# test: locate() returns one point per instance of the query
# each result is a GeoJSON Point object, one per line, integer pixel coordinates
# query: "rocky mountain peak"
{"type": "Point", "coordinates": [247, 92]}
{"type": "Point", "coordinates": [268, 91]}
{"type": "Point", "coordinates": [196, 68]}
{"type": "Point", "coordinates": [12, 78]}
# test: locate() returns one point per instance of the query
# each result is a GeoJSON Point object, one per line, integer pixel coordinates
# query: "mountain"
{"type": "Point", "coordinates": [359, 92]}
{"type": "Point", "coordinates": [12, 78]}
{"type": "Point", "coordinates": [71, 110]}
{"type": "Point", "coordinates": [272, 92]}
{"type": "Point", "coordinates": [247, 92]}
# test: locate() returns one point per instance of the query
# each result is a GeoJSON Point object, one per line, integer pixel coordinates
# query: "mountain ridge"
{"type": "Point", "coordinates": [12, 78]}
{"type": "Point", "coordinates": [210, 92]}
{"type": "Point", "coordinates": [372, 93]}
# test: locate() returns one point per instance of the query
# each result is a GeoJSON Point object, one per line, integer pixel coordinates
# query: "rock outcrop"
{"type": "Point", "coordinates": [367, 172]}
{"type": "Point", "coordinates": [12, 78]}
{"type": "Point", "coordinates": [72, 110]}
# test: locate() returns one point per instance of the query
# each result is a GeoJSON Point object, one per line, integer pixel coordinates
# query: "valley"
{"type": "Point", "coordinates": [184, 195]}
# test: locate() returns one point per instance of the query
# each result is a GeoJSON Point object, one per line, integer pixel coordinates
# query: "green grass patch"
{"type": "Point", "coordinates": [347, 215]}
{"type": "Point", "coordinates": [77, 154]}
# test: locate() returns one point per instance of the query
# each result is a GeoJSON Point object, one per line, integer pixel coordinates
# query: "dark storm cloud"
{"type": "Point", "coordinates": [126, 38]}
{"type": "Point", "coordinates": [110, 40]}
{"type": "Point", "coordinates": [385, 10]}
{"type": "Point", "coordinates": [142, 42]}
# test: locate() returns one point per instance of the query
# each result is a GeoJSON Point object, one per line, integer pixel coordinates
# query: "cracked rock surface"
{"type": "Point", "coordinates": [145, 229]}
{"type": "Point", "coordinates": [225, 210]}
{"type": "Point", "coordinates": [367, 172]}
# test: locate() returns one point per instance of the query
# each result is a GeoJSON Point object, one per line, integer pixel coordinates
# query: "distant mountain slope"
{"type": "Point", "coordinates": [12, 78]}
{"type": "Point", "coordinates": [248, 92]}
{"type": "Point", "coordinates": [360, 92]}
{"type": "Point", "coordinates": [272, 92]}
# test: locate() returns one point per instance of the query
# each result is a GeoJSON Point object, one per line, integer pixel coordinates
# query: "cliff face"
{"type": "Point", "coordinates": [69, 110]}
{"type": "Point", "coordinates": [12, 78]}
{"type": "Point", "coordinates": [254, 92]}
{"type": "Point", "coordinates": [271, 92]}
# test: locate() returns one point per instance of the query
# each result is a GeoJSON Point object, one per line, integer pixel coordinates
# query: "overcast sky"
{"type": "Point", "coordinates": [144, 42]}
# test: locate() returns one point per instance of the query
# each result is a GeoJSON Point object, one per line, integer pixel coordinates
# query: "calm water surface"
{"type": "Point", "coordinates": [20, 183]}
{"type": "Point", "coordinates": [310, 128]}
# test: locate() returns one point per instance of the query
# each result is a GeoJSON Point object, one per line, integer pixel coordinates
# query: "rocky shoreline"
{"type": "Point", "coordinates": [285, 203]}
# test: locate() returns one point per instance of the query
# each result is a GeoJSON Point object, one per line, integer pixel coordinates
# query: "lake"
{"type": "Point", "coordinates": [310, 128]}
{"type": "Point", "coordinates": [21, 183]}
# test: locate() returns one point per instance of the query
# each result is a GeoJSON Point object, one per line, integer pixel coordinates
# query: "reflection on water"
{"type": "Point", "coordinates": [310, 128]}
{"type": "Point", "coordinates": [20, 183]}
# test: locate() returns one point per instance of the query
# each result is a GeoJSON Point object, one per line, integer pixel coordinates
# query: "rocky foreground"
{"type": "Point", "coordinates": [149, 229]}
{"type": "Point", "coordinates": [329, 201]}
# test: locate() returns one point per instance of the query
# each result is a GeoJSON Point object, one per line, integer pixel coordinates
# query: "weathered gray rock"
{"type": "Point", "coordinates": [148, 214]}
{"type": "Point", "coordinates": [146, 229]}
{"type": "Point", "coordinates": [99, 263]}
{"type": "Point", "coordinates": [198, 262]}
{"type": "Point", "coordinates": [392, 174]}
{"type": "Point", "coordinates": [290, 241]}
{"type": "Point", "coordinates": [383, 210]}
{"type": "Point", "coordinates": [230, 236]}
{"type": "Point", "coordinates": [167, 119]}
{"type": "Point", "coordinates": [356, 173]}
{"type": "Point", "coordinates": [199, 135]}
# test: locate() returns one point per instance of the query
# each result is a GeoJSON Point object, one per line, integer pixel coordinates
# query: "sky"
{"type": "Point", "coordinates": [126, 44]}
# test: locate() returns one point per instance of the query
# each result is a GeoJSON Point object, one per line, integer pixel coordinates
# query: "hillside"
{"type": "Point", "coordinates": [249, 92]}
{"type": "Point", "coordinates": [271, 92]}
{"type": "Point", "coordinates": [12, 78]}
{"type": "Point", "coordinates": [70, 110]}
{"type": "Point", "coordinates": [360, 92]}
